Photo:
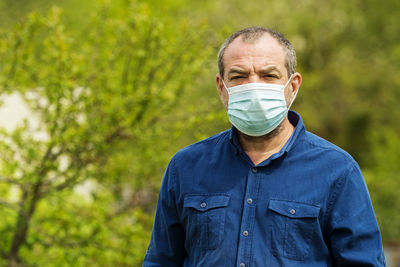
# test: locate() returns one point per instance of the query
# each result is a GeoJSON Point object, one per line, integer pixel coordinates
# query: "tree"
{"type": "Point", "coordinates": [94, 93]}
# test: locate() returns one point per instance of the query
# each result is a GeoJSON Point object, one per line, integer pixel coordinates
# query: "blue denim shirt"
{"type": "Point", "coordinates": [307, 205]}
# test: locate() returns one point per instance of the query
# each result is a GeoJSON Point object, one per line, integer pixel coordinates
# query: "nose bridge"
{"type": "Point", "coordinates": [254, 78]}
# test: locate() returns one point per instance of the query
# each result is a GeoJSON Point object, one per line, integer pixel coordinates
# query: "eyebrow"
{"type": "Point", "coordinates": [237, 70]}
{"type": "Point", "coordinates": [270, 69]}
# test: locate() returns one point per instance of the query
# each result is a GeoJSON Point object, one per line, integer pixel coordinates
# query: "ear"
{"type": "Point", "coordinates": [223, 94]}
{"type": "Point", "coordinates": [220, 85]}
{"type": "Point", "coordinates": [295, 84]}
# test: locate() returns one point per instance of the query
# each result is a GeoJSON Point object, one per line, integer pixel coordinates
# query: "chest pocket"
{"type": "Point", "coordinates": [293, 226]}
{"type": "Point", "coordinates": [205, 220]}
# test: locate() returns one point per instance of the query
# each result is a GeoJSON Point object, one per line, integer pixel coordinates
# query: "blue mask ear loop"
{"type": "Point", "coordinates": [287, 83]}
{"type": "Point", "coordinates": [224, 84]}
{"type": "Point", "coordinates": [223, 102]}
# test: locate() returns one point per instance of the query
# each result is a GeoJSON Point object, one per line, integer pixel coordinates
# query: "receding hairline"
{"type": "Point", "coordinates": [252, 37]}
{"type": "Point", "coordinates": [254, 34]}
{"type": "Point", "coordinates": [254, 40]}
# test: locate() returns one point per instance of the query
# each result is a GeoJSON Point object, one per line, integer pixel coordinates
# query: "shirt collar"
{"type": "Point", "coordinates": [234, 140]}
{"type": "Point", "coordinates": [299, 128]}
{"type": "Point", "coordinates": [294, 119]}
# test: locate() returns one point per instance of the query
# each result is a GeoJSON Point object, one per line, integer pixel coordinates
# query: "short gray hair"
{"type": "Point", "coordinates": [252, 34]}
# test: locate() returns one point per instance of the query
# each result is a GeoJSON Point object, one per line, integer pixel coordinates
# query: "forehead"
{"type": "Point", "coordinates": [264, 51]}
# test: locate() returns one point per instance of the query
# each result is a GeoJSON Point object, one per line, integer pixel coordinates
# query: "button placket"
{"type": "Point", "coordinates": [247, 221]}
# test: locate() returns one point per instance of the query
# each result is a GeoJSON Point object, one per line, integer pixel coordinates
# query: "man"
{"type": "Point", "coordinates": [266, 192]}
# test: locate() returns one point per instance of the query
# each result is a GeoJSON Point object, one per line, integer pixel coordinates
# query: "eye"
{"type": "Point", "coordinates": [271, 76]}
{"type": "Point", "coordinates": [236, 77]}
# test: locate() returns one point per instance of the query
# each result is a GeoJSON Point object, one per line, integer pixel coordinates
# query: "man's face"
{"type": "Point", "coordinates": [259, 61]}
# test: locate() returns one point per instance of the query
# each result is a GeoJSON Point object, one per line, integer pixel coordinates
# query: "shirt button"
{"type": "Point", "coordinates": [203, 205]}
{"type": "Point", "coordinates": [245, 233]}
{"type": "Point", "coordinates": [254, 170]}
{"type": "Point", "coordinates": [292, 211]}
{"type": "Point", "coordinates": [249, 201]}
{"type": "Point", "coordinates": [242, 265]}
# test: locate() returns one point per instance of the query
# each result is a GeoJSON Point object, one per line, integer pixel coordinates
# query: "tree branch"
{"type": "Point", "coordinates": [7, 180]}
{"type": "Point", "coordinates": [8, 204]}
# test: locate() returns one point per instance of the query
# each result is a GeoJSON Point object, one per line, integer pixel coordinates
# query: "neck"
{"type": "Point", "coordinates": [259, 148]}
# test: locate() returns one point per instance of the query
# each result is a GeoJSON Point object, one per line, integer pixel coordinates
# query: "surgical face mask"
{"type": "Point", "coordinates": [257, 109]}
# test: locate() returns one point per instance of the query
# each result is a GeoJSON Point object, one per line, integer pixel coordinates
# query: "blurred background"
{"type": "Point", "coordinates": [96, 97]}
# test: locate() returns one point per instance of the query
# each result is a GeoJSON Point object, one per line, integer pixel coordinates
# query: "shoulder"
{"type": "Point", "coordinates": [326, 150]}
{"type": "Point", "coordinates": [202, 147]}
{"type": "Point", "coordinates": [337, 167]}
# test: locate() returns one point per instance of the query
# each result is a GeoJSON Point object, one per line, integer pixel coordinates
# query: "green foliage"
{"type": "Point", "coordinates": [74, 178]}
{"type": "Point", "coordinates": [384, 181]}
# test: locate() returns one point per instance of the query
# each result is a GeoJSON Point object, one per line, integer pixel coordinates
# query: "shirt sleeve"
{"type": "Point", "coordinates": [167, 241]}
{"type": "Point", "coordinates": [354, 234]}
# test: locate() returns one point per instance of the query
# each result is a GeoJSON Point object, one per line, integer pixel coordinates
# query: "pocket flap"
{"type": "Point", "coordinates": [206, 202]}
{"type": "Point", "coordinates": [293, 209]}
